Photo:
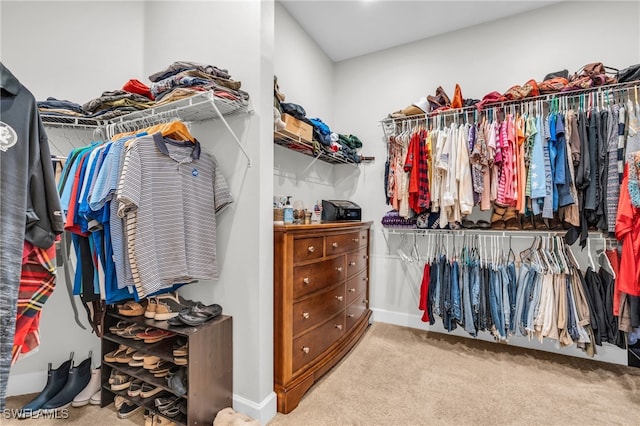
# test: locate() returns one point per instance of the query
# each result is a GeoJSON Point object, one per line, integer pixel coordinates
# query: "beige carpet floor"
{"type": "Point", "coordinates": [402, 376]}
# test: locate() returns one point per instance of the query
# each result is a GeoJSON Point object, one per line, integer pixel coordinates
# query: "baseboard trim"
{"type": "Point", "coordinates": [263, 411]}
{"type": "Point", "coordinates": [22, 384]}
{"type": "Point", "coordinates": [605, 353]}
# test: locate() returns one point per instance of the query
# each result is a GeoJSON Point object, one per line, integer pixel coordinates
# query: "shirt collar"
{"type": "Point", "coordinates": [162, 145]}
{"type": "Point", "coordinates": [8, 82]}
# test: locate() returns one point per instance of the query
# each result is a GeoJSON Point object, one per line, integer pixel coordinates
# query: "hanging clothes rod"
{"type": "Point", "coordinates": [574, 94]}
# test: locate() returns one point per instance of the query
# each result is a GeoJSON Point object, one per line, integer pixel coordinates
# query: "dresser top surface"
{"type": "Point", "coordinates": [322, 226]}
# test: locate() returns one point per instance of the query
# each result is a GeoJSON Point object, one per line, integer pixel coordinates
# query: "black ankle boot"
{"type": "Point", "coordinates": [56, 379]}
{"type": "Point", "coordinates": [79, 377]}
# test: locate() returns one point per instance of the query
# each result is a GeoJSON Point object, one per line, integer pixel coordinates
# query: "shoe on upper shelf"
{"type": "Point", "coordinates": [169, 305]}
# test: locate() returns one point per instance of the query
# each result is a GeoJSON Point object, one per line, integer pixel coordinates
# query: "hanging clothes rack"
{"type": "Point", "coordinates": [585, 97]}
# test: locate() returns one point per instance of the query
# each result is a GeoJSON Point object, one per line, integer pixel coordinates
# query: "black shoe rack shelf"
{"type": "Point", "coordinates": [209, 369]}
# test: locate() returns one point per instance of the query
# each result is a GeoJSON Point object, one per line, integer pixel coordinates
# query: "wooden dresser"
{"type": "Point", "coordinates": [321, 301]}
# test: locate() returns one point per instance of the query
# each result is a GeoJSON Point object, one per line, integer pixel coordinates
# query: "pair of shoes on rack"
{"type": "Point", "coordinates": [128, 409]}
{"type": "Point", "coordinates": [166, 306]}
{"type": "Point", "coordinates": [153, 335]}
{"type": "Point", "coordinates": [121, 355]}
{"type": "Point", "coordinates": [63, 385]}
{"type": "Point", "coordinates": [480, 224]}
{"type": "Point", "coordinates": [196, 315]}
{"type": "Point", "coordinates": [171, 407]}
{"type": "Point", "coordinates": [177, 381]}
{"type": "Point", "coordinates": [119, 381]}
{"type": "Point", "coordinates": [131, 308]}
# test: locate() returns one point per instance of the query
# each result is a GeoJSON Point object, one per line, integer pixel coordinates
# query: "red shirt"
{"type": "Point", "coordinates": [628, 232]}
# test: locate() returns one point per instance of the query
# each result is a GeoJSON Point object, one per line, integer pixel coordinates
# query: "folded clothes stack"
{"type": "Point", "coordinates": [182, 79]}
{"type": "Point", "coordinates": [113, 103]}
{"type": "Point", "coordinates": [178, 81]}
{"type": "Point", "coordinates": [53, 106]}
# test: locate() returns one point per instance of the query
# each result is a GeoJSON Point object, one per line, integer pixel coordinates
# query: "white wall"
{"type": "Point", "coordinates": [72, 50]}
{"type": "Point", "coordinates": [305, 76]}
{"type": "Point", "coordinates": [233, 35]}
{"type": "Point", "coordinates": [229, 34]}
{"type": "Point", "coordinates": [481, 59]}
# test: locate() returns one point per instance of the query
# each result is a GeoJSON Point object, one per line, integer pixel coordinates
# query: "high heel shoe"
{"type": "Point", "coordinates": [56, 379]}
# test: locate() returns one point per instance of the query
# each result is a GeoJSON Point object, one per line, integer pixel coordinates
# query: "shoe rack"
{"type": "Point", "coordinates": [209, 368]}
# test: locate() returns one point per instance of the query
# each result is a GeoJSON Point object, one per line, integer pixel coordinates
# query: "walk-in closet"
{"type": "Point", "coordinates": [319, 212]}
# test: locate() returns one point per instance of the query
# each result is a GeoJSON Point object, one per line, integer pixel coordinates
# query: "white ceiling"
{"type": "Point", "coordinates": [346, 29]}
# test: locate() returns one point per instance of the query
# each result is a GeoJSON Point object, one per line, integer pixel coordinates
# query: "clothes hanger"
{"type": "Point", "coordinates": [591, 262]}
{"type": "Point", "coordinates": [605, 262]}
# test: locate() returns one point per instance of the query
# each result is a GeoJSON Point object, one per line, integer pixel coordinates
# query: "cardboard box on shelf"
{"type": "Point", "coordinates": [296, 128]}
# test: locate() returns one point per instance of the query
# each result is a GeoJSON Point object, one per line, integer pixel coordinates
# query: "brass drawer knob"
{"type": "Point", "coordinates": [339, 326]}
{"type": "Point", "coordinates": [305, 280]}
{"type": "Point", "coordinates": [340, 298]}
{"type": "Point", "coordinates": [352, 290]}
{"type": "Point", "coordinates": [311, 249]}
{"type": "Point", "coordinates": [365, 257]}
{"type": "Point", "coordinates": [334, 244]}
{"type": "Point", "coordinates": [365, 301]}
{"type": "Point", "coordinates": [365, 278]}
{"type": "Point", "coordinates": [339, 269]}
{"type": "Point", "coordinates": [352, 263]}
{"type": "Point", "coordinates": [305, 315]}
{"type": "Point", "coordinates": [305, 349]}
{"type": "Point", "coordinates": [350, 315]}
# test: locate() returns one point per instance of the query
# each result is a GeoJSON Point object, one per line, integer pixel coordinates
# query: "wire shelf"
{"type": "Point", "coordinates": [199, 107]}
{"type": "Point", "coordinates": [297, 144]}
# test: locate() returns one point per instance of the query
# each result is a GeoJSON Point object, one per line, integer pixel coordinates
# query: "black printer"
{"type": "Point", "coordinates": [340, 210]}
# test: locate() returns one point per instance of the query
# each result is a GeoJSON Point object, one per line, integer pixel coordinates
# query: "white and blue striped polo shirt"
{"type": "Point", "coordinates": [171, 192]}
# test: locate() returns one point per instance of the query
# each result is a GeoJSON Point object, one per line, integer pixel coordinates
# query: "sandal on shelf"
{"type": "Point", "coordinates": [150, 362]}
{"type": "Point", "coordinates": [121, 382]}
{"type": "Point", "coordinates": [181, 360]}
{"type": "Point", "coordinates": [119, 401]}
{"type": "Point", "coordinates": [134, 388]}
{"type": "Point", "coordinates": [181, 350]}
{"type": "Point", "coordinates": [119, 327]}
{"type": "Point", "coordinates": [131, 309]}
{"type": "Point", "coordinates": [125, 357]}
{"type": "Point", "coordinates": [131, 332]}
{"type": "Point", "coordinates": [161, 367]}
{"type": "Point", "coordinates": [148, 390]}
{"type": "Point", "coordinates": [113, 355]}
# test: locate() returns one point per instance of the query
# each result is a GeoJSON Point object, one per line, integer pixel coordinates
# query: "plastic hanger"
{"type": "Point", "coordinates": [606, 263]}
{"type": "Point", "coordinates": [591, 262]}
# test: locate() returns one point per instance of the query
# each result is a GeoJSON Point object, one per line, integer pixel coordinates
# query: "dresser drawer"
{"type": "Point", "coordinates": [307, 249]}
{"type": "Point", "coordinates": [308, 346]}
{"type": "Point", "coordinates": [309, 278]}
{"type": "Point", "coordinates": [363, 238]}
{"type": "Point", "coordinates": [317, 308]}
{"type": "Point", "coordinates": [356, 309]}
{"type": "Point", "coordinates": [356, 285]}
{"type": "Point", "coordinates": [341, 243]}
{"type": "Point", "coordinates": [357, 261]}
